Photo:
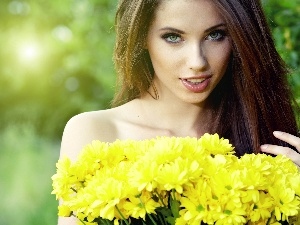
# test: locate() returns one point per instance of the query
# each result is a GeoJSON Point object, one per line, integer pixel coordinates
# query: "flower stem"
{"type": "Point", "coordinates": [82, 221]}
{"type": "Point", "coordinates": [160, 198]}
{"type": "Point", "coordinates": [269, 220]}
{"type": "Point", "coordinates": [151, 218]}
{"type": "Point", "coordinates": [173, 193]}
{"type": "Point", "coordinates": [122, 216]}
{"type": "Point", "coordinates": [161, 219]}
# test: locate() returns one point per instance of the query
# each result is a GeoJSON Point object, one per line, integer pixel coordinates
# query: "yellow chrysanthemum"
{"type": "Point", "coordinates": [65, 181]}
{"type": "Point", "coordinates": [164, 150]}
{"type": "Point", "coordinates": [195, 204]}
{"type": "Point", "coordinates": [64, 211]}
{"type": "Point", "coordinates": [143, 174]}
{"type": "Point", "coordinates": [129, 179]}
{"type": "Point", "coordinates": [105, 154]}
{"type": "Point", "coordinates": [134, 150]}
{"type": "Point", "coordinates": [286, 203]}
{"type": "Point", "coordinates": [176, 174]}
{"type": "Point", "coordinates": [139, 206]}
{"type": "Point", "coordinates": [104, 198]}
{"type": "Point", "coordinates": [214, 145]}
{"type": "Point", "coordinates": [227, 184]}
{"type": "Point", "coordinates": [261, 209]}
{"type": "Point", "coordinates": [231, 215]}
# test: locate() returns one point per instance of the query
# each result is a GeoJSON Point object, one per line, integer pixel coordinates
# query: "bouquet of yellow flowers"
{"type": "Point", "coordinates": [177, 181]}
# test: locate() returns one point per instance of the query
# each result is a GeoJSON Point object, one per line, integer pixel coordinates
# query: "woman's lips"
{"type": "Point", "coordinates": [196, 81]}
{"type": "Point", "coordinates": [196, 85]}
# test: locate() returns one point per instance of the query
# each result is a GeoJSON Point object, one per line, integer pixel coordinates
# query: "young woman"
{"type": "Point", "coordinates": [187, 67]}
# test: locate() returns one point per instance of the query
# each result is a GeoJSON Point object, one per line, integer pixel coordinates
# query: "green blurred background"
{"type": "Point", "coordinates": [56, 61]}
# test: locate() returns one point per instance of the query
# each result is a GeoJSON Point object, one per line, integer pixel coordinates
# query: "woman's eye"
{"type": "Point", "coordinates": [217, 35]}
{"type": "Point", "coordinates": [172, 38]}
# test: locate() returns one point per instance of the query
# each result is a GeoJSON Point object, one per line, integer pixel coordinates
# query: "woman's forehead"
{"type": "Point", "coordinates": [192, 12]}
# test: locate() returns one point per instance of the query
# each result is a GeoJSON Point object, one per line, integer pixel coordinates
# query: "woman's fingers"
{"type": "Point", "coordinates": [276, 150]}
{"type": "Point", "coordinates": [288, 138]}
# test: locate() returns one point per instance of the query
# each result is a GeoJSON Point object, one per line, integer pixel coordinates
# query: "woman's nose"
{"type": "Point", "coordinates": [196, 58]}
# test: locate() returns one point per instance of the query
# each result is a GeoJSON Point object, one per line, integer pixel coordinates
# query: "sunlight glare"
{"type": "Point", "coordinates": [29, 52]}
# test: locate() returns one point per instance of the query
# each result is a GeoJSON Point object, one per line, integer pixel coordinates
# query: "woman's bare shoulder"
{"type": "Point", "coordinates": [105, 125]}
{"type": "Point", "coordinates": [83, 128]}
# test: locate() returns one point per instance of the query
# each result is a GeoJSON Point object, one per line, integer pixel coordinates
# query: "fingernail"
{"type": "Point", "coordinates": [277, 133]}
{"type": "Point", "coordinates": [263, 147]}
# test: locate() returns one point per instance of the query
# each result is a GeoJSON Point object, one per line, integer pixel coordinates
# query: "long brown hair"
{"type": "Point", "coordinates": [132, 61]}
{"type": "Point", "coordinates": [251, 101]}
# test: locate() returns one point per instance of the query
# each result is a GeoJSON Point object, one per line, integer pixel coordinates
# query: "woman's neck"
{"type": "Point", "coordinates": [176, 117]}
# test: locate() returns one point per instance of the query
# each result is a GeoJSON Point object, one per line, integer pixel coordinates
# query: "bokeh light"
{"type": "Point", "coordinates": [29, 52]}
{"type": "Point", "coordinates": [62, 33]}
{"type": "Point", "coordinates": [18, 8]}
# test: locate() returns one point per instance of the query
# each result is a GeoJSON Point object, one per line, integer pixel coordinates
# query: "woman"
{"type": "Point", "coordinates": [190, 67]}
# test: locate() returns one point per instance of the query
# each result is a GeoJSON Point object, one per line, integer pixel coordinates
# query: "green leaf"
{"type": "Point", "coordinates": [175, 206]}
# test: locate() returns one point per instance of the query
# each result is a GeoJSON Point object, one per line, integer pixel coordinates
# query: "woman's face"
{"type": "Point", "coordinates": [189, 49]}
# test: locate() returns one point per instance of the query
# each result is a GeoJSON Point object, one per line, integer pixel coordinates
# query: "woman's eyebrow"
{"type": "Point", "coordinates": [175, 30]}
{"type": "Point", "coordinates": [215, 27]}
{"type": "Point", "coordinates": [172, 30]}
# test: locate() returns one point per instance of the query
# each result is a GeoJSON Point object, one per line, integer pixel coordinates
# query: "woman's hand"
{"type": "Point", "coordinates": [276, 150]}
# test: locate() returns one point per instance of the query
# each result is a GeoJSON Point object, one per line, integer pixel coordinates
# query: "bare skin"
{"type": "Point", "coordinates": [139, 119]}
{"type": "Point", "coordinates": [279, 150]}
